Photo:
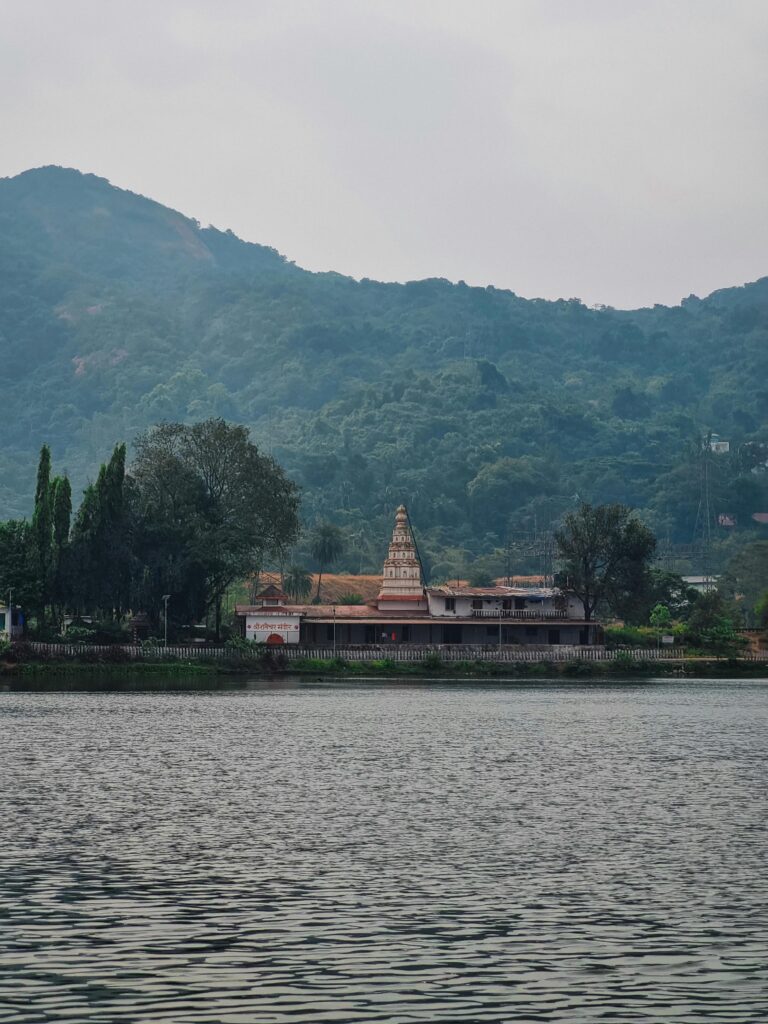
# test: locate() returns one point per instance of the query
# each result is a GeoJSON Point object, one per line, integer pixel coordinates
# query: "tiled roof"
{"type": "Point", "coordinates": [272, 592]}
{"type": "Point", "coordinates": [342, 613]}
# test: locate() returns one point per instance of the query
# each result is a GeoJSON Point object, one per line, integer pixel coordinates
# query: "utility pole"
{"type": "Point", "coordinates": [166, 598]}
{"type": "Point", "coordinates": [334, 631]}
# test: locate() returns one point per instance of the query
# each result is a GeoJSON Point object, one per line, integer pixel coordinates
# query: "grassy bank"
{"type": "Point", "coordinates": [620, 668]}
{"type": "Point", "coordinates": [431, 667]}
{"type": "Point", "coordinates": [97, 668]}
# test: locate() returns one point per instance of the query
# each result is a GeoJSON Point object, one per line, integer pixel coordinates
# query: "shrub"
{"type": "Point", "coordinates": [630, 636]}
{"type": "Point", "coordinates": [79, 635]}
{"type": "Point", "coordinates": [116, 654]}
{"type": "Point", "coordinates": [238, 644]}
{"type": "Point", "coordinates": [578, 667]}
{"type": "Point", "coordinates": [624, 659]}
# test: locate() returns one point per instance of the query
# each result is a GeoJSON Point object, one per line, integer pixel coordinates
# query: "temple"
{"type": "Point", "coordinates": [408, 611]}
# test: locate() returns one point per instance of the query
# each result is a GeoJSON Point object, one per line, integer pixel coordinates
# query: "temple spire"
{"type": "Point", "coordinates": [401, 578]}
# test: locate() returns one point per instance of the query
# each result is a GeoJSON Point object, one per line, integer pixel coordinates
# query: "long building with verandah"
{"type": "Point", "coordinates": [407, 611]}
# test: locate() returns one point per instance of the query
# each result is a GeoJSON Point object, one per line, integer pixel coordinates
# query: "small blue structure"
{"type": "Point", "coordinates": [11, 625]}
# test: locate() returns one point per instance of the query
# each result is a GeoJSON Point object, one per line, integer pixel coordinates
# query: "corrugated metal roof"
{"type": "Point", "coordinates": [444, 590]}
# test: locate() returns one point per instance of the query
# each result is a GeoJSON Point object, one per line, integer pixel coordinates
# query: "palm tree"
{"type": "Point", "coordinates": [297, 583]}
{"type": "Point", "coordinates": [326, 545]}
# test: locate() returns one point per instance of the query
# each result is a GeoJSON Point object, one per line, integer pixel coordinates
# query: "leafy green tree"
{"type": "Point", "coordinates": [297, 583]}
{"type": "Point", "coordinates": [604, 552]}
{"type": "Point", "coordinates": [19, 564]}
{"type": "Point", "coordinates": [326, 545]}
{"type": "Point", "coordinates": [746, 575]}
{"type": "Point", "coordinates": [655, 587]}
{"type": "Point", "coordinates": [660, 616]}
{"type": "Point", "coordinates": [227, 505]}
{"type": "Point", "coordinates": [479, 576]}
{"type": "Point", "coordinates": [505, 485]}
{"type": "Point", "coordinates": [711, 627]}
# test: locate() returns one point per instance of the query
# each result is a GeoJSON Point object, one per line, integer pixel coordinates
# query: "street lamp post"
{"type": "Point", "coordinates": [334, 631]}
{"type": "Point", "coordinates": [166, 599]}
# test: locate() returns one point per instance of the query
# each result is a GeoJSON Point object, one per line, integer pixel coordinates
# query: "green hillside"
{"type": "Point", "coordinates": [486, 412]}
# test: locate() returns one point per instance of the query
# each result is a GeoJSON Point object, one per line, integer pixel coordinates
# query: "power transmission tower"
{"type": "Point", "coordinates": [536, 546]}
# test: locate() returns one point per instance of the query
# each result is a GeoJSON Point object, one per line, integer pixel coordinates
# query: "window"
{"type": "Point", "coordinates": [506, 604]}
{"type": "Point", "coordinates": [477, 602]}
{"type": "Point", "coordinates": [450, 604]}
{"type": "Point", "coordinates": [405, 633]}
{"type": "Point", "coordinates": [492, 630]}
{"type": "Point", "coordinates": [519, 603]}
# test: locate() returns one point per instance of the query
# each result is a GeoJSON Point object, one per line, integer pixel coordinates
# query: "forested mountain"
{"type": "Point", "coordinates": [486, 412]}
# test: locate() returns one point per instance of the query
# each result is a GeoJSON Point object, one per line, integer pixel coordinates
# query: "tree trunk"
{"type": "Point", "coordinates": [319, 581]}
{"type": "Point", "coordinates": [218, 618]}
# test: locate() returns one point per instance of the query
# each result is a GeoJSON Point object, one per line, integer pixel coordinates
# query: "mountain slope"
{"type": "Point", "coordinates": [483, 410]}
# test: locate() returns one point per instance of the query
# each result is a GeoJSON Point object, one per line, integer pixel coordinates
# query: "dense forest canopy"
{"type": "Point", "coordinates": [490, 415]}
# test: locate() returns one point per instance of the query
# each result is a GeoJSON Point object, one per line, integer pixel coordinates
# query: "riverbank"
{"type": "Point", "coordinates": [623, 668]}
{"type": "Point", "coordinates": [271, 666]}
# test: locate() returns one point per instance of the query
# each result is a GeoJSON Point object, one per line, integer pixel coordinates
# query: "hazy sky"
{"type": "Point", "coordinates": [614, 150]}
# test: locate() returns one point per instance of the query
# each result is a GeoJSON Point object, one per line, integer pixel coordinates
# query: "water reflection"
{"type": "Point", "coordinates": [301, 853]}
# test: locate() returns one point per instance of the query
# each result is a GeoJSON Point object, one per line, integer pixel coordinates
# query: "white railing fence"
{"type": "Point", "coordinates": [373, 652]}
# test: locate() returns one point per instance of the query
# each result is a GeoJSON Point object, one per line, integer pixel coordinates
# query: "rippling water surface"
{"type": "Point", "coordinates": [385, 853]}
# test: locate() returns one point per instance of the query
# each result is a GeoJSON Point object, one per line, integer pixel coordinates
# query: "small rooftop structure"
{"type": "Point", "coordinates": [271, 597]}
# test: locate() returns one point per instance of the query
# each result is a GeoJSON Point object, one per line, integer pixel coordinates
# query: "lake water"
{"type": "Point", "coordinates": [390, 853]}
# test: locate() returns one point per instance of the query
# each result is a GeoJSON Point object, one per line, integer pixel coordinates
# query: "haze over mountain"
{"type": "Point", "coordinates": [484, 411]}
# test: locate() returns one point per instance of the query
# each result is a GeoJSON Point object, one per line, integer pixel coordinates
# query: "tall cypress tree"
{"type": "Point", "coordinates": [61, 514]}
{"type": "Point", "coordinates": [112, 514]}
{"type": "Point", "coordinates": [100, 551]}
{"type": "Point", "coordinates": [83, 557]}
{"type": "Point", "coordinates": [42, 530]}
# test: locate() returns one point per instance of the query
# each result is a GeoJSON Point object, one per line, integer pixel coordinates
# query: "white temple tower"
{"type": "Point", "coordinates": [402, 587]}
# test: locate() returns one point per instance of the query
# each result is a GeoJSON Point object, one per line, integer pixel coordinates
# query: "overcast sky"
{"type": "Point", "coordinates": [614, 150]}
